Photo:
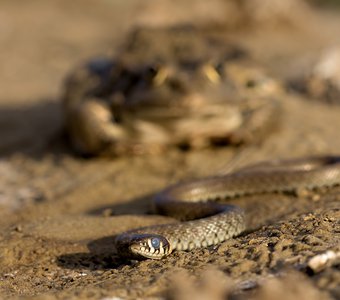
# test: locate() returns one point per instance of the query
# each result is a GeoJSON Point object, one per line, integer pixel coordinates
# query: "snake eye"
{"type": "Point", "coordinates": [155, 242]}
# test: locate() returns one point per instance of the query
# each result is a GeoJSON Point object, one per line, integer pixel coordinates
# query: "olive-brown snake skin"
{"type": "Point", "coordinates": [211, 222]}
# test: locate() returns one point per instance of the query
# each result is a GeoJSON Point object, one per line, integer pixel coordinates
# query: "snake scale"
{"type": "Point", "coordinates": [211, 222]}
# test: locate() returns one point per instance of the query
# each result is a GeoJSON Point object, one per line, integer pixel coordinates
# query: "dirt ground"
{"type": "Point", "coordinates": [59, 212]}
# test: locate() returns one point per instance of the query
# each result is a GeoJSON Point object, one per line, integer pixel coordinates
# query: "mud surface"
{"type": "Point", "coordinates": [59, 212]}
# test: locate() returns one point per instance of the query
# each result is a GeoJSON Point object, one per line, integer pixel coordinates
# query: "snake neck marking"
{"type": "Point", "coordinates": [161, 88]}
{"type": "Point", "coordinates": [212, 223]}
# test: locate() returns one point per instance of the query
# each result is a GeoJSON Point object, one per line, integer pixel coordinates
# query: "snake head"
{"type": "Point", "coordinates": [140, 246]}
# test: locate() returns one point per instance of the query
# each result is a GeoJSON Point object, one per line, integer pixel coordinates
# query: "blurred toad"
{"type": "Point", "coordinates": [176, 87]}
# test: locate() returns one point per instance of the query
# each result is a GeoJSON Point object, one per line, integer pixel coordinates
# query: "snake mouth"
{"type": "Point", "coordinates": [141, 246]}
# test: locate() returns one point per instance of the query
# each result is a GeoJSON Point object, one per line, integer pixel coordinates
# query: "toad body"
{"type": "Point", "coordinates": [177, 87]}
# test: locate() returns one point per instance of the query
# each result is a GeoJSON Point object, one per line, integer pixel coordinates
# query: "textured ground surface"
{"type": "Point", "coordinates": [58, 213]}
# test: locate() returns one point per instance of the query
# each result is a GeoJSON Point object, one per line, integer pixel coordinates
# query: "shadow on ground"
{"type": "Point", "coordinates": [33, 130]}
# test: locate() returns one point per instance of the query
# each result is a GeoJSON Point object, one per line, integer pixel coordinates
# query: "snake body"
{"type": "Point", "coordinates": [211, 222]}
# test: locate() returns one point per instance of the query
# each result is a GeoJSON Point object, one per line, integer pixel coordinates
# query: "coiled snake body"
{"type": "Point", "coordinates": [211, 222]}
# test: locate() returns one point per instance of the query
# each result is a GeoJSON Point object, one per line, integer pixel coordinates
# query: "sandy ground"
{"type": "Point", "coordinates": [59, 212]}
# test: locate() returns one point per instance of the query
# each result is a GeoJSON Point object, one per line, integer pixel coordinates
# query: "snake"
{"type": "Point", "coordinates": [205, 220]}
